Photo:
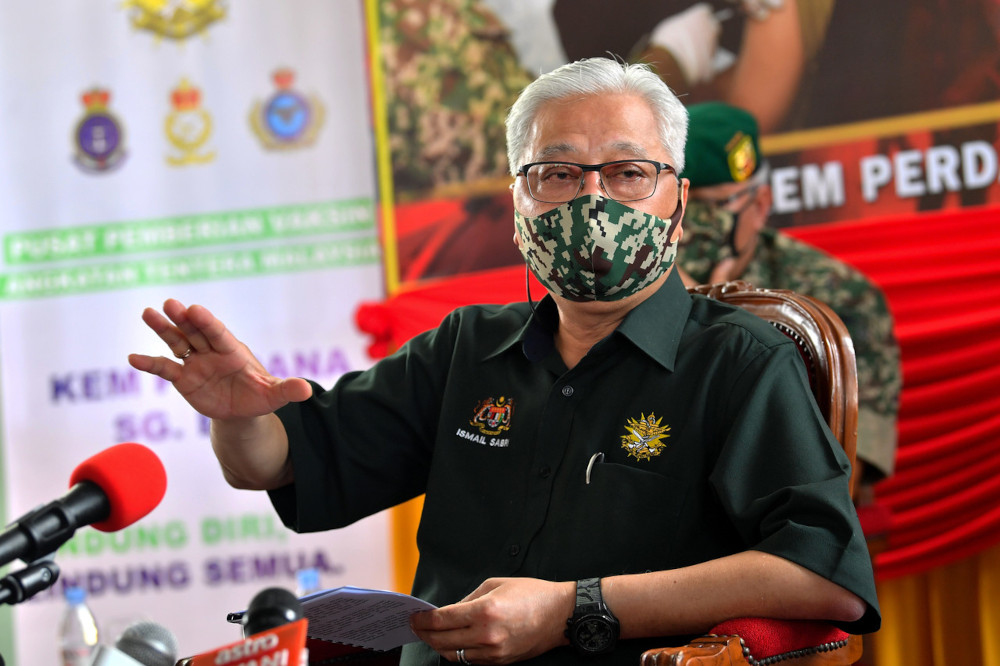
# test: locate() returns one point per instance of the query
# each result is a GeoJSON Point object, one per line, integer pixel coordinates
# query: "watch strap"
{"type": "Point", "coordinates": [588, 596]}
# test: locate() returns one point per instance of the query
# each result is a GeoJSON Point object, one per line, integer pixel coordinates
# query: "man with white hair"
{"type": "Point", "coordinates": [616, 467]}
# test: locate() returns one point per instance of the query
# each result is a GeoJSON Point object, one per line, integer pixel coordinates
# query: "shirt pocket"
{"type": "Point", "coordinates": [629, 518]}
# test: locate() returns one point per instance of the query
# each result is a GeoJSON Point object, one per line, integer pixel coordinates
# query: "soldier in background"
{"type": "Point", "coordinates": [451, 74]}
{"type": "Point", "coordinates": [726, 238]}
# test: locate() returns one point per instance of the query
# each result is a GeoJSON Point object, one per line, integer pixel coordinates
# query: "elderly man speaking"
{"type": "Point", "coordinates": [573, 451]}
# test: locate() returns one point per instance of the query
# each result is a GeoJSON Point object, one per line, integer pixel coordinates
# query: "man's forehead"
{"type": "Point", "coordinates": [568, 149]}
{"type": "Point", "coordinates": [619, 122]}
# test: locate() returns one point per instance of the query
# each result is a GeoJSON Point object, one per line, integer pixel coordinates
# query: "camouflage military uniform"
{"type": "Point", "coordinates": [450, 76]}
{"type": "Point", "coordinates": [782, 262]}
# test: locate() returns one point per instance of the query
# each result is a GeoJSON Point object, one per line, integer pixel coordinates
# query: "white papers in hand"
{"type": "Point", "coordinates": [373, 619]}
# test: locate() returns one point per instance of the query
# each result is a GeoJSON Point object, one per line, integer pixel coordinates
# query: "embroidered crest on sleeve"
{"type": "Point", "coordinates": [644, 436]}
{"type": "Point", "coordinates": [493, 416]}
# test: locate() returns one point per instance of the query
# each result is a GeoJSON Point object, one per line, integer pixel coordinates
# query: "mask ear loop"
{"type": "Point", "coordinates": [676, 217]}
{"type": "Point", "coordinates": [527, 287]}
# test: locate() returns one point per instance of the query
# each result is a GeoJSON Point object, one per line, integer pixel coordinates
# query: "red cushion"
{"type": "Point", "coordinates": [765, 637]}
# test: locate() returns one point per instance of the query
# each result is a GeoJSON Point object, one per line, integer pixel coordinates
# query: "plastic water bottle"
{"type": "Point", "coordinates": [306, 582]}
{"type": "Point", "coordinates": [77, 630]}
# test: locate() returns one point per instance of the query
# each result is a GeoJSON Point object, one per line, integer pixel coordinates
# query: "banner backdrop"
{"type": "Point", "coordinates": [847, 139]}
{"type": "Point", "coordinates": [213, 152]}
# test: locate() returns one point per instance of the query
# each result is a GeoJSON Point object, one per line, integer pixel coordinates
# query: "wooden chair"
{"type": "Point", "coordinates": [828, 354]}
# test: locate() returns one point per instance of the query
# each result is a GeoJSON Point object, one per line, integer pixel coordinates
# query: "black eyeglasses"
{"type": "Point", "coordinates": [621, 180]}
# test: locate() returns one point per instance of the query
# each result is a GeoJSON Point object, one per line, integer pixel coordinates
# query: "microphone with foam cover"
{"type": "Point", "coordinates": [110, 490]}
{"type": "Point", "coordinates": [141, 644]}
{"type": "Point", "coordinates": [149, 643]}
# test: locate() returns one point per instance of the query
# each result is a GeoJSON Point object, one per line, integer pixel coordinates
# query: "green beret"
{"type": "Point", "coordinates": [722, 145]}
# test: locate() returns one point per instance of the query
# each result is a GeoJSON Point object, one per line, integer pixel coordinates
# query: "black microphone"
{"type": "Point", "coordinates": [109, 490]}
{"type": "Point", "coordinates": [141, 644]}
{"type": "Point", "coordinates": [274, 632]}
{"type": "Point", "coordinates": [270, 608]}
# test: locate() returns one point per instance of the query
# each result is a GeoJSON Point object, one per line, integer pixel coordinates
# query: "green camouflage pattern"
{"type": "Point", "coordinates": [594, 248]}
{"type": "Point", "coordinates": [451, 74]}
{"type": "Point", "coordinates": [782, 262]}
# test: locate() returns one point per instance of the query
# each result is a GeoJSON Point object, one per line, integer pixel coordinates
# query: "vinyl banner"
{"type": "Point", "coordinates": [219, 153]}
{"type": "Point", "coordinates": [858, 120]}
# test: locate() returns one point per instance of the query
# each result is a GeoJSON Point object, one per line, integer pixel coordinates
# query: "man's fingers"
{"type": "Point", "coordinates": [156, 365]}
{"type": "Point", "coordinates": [195, 339]}
{"type": "Point", "coordinates": [214, 333]}
{"type": "Point", "coordinates": [295, 389]}
{"type": "Point", "coordinates": [170, 334]}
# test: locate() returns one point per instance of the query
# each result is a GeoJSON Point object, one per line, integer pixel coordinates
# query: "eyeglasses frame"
{"type": "Point", "coordinates": [660, 166]}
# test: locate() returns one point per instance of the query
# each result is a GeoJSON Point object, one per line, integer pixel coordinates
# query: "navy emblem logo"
{"type": "Point", "coordinates": [99, 136]}
{"type": "Point", "coordinates": [287, 119]}
{"type": "Point", "coordinates": [643, 437]}
{"type": "Point", "coordinates": [493, 416]}
{"type": "Point", "coordinates": [176, 19]}
{"type": "Point", "coordinates": [188, 126]}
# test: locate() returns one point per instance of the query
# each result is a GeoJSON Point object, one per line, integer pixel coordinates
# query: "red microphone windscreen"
{"type": "Point", "coordinates": [132, 477]}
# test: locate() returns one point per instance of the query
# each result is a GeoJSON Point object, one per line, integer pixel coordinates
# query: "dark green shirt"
{"type": "Point", "coordinates": [711, 441]}
{"type": "Point", "coordinates": [783, 262]}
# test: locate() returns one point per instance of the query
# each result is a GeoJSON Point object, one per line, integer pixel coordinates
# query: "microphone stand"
{"type": "Point", "coordinates": [29, 581]}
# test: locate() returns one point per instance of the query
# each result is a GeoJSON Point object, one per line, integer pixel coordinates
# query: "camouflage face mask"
{"type": "Point", "coordinates": [596, 249]}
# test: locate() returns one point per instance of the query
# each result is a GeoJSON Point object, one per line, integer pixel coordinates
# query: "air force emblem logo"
{"type": "Point", "coordinates": [643, 437]}
{"type": "Point", "coordinates": [287, 119]}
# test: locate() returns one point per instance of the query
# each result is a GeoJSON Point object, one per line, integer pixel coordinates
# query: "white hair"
{"type": "Point", "coordinates": [598, 76]}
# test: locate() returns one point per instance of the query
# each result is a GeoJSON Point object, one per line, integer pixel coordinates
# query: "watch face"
{"type": "Point", "coordinates": [593, 633]}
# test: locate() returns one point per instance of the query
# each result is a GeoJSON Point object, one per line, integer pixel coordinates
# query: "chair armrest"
{"type": "Point", "coordinates": [762, 642]}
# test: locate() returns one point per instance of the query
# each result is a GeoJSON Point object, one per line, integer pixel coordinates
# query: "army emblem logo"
{"type": "Point", "coordinates": [99, 136]}
{"type": "Point", "coordinates": [643, 437]}
{"type": "Point", "coordinates": [493, 416]}
{"type": "Point", "coordinates": [188, 126]}
{"type": "Point", "coordinates": [288, 119]}
{"type": "Point", "coordinates": [741, 156]}
{"type": "Point", "coordinates": [174, 19]}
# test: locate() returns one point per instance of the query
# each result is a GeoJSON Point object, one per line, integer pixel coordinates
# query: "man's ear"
{"type": "Point", "coordinates": [683, 199]}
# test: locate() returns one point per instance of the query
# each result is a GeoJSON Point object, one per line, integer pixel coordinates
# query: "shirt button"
{"type": "Point", "coordinates": [514, 550]}
{"type": "Point", "coordinates": [567, 391]}
{"type": "Point", "coordinates": [544, 471]}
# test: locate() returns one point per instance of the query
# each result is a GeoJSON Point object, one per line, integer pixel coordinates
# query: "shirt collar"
{"type": "Point", "coordinates": [654, 326]}
{"type": "Point", "coordinates": [536, 336]}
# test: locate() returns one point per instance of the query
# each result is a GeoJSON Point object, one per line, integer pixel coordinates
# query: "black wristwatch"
{"type": "Point", "coordinates": [593, 629]}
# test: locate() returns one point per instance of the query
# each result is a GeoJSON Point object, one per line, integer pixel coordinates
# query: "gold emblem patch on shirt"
{"type": "Point", "coordinates": [644, 436]}
{"type": "Point", "coordinates": [493, 416]}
